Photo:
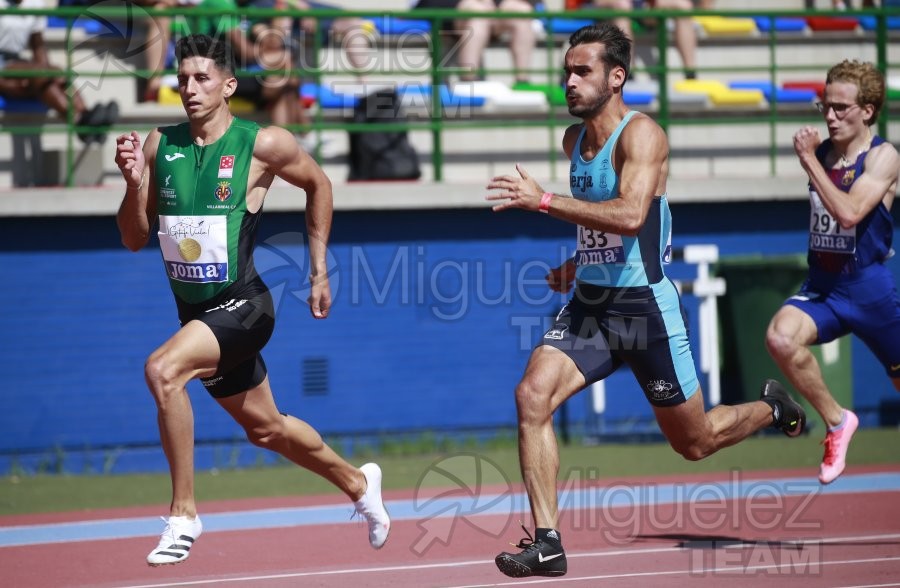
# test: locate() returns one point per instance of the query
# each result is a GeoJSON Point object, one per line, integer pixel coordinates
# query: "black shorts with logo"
{"type": "Point", "coordinates": [242, 323]}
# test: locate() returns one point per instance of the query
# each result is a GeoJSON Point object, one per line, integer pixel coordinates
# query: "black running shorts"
{"type": "Point", "coordinates": [242, 326]}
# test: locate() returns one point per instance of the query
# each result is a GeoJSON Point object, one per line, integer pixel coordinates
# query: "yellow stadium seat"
{"type": "Point", "coordinates": [723, 26]}
{"type": "Point", "coordinates": [738, 98]}
{"type": "Point", "coordinates": [699, 86]}
{"type": "Point", "coordinates": [238, 105]}
{"type": "Point", "coordinates": [168, 96]}
{"type": "Point", "coordinates": [719, 94]}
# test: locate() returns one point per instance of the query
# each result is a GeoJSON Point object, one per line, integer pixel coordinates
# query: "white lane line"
{"type": "Point", "coordinates": [604, 553]}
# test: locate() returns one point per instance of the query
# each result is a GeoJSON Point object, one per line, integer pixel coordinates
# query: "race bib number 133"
{"type": "Point", "coordinates": [597, 247]}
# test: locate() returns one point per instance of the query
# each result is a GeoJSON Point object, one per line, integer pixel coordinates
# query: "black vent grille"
{"type": "Point", "coordinates": [315, 376]}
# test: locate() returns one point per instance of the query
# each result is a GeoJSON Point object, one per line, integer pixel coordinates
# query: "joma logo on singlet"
{"type": "Point", "coordinates": [818, 241]}
{"type": "Point", "coordinates": [582, 182]}
{"type": "Point", "coordinates": [198, 272]}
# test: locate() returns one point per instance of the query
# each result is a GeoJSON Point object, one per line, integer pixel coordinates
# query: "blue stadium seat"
{"type": "Point", "coordinates": [326, 97]}
{"type": "Point", "coordinates": [795, 95]}
{"type": "Point", "coordinates": [447, 97]}
{"type": "Point", "coordinates": [389, 25]}
{"type": "Point", "coordinates": [22, 105]}
{"type": "Point", "coordinates": [637, 98]}
{"type": "Point", "coordinates": [561, 26]}
{"type": "Point", "coordinates": [565, 26]}
{"type": "Point", "coordinates": [782, 24]}
{"type": "Point", "coordinates": [869, 23]}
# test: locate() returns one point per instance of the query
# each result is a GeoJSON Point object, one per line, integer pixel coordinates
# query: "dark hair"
{"type": "Point", "coordinates": [205, 46]}
{"type": "Point", "coordinates": [616, 43]}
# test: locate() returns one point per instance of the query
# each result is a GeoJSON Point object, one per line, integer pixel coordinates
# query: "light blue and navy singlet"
{"type": "Point", "coordinates": [849, 289]}
{"type": "Point", "coordinates": [625, 309]}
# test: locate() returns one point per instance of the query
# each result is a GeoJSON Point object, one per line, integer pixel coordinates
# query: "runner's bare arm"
{"type": "Point", "coordinates": [137, 213]}
{"type": "Point", "coordinates": [277, 149]}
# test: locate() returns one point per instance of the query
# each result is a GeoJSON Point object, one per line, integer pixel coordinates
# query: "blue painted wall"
{"type": "Point", "coordinates": [435, 314]}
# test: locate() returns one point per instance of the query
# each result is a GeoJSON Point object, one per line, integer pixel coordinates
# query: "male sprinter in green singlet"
{"type": "Point", "coordinates": [624, 310]}
{"type": "Point", "coordinates": [205, 181]}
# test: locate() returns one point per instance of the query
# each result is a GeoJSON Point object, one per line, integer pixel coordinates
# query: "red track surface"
{"type": "Point", "coordinates": [824, 540]}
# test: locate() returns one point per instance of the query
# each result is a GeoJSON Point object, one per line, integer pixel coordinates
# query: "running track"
{"type": "Point", "coordinates": [734, 529]}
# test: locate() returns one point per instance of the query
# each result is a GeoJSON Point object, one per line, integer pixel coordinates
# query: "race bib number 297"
{"type": "Point", "coordinates": [825, 233]}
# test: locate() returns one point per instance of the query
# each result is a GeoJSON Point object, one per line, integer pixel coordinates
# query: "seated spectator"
{"type": "Point", "coordinates": [685, 33]}
{"type": "Point", "coordinates": [476, 33]}
{"type": "Point", "coordinates": [278, 93]}
{"type": "Point", "coordinates": [21, 32]}
{"type": "Point", "coordinates": [354, 34]}
{"type": "Point", "coordinates": [158, 44]}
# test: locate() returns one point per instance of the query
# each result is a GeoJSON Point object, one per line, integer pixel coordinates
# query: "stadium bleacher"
{"type": "Point", "coordinates": [734, 82]}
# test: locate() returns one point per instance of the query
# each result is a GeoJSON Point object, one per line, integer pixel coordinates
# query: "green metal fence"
{"type": "Point", "coordinates": [440, 121]}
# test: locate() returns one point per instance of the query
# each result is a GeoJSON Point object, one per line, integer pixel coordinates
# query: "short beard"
{"type": "Point", "coordinates": [591, 110]}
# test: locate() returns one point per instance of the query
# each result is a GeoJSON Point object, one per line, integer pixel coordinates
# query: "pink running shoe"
{"type": "Point", "coordinates": [836, 444]}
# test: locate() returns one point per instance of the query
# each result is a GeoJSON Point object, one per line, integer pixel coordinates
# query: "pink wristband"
{"type": "Point", "coordinates": [545, 202]}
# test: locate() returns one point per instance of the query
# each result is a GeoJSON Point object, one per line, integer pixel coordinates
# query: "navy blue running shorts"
{"type": "Point", "coordinates": [865, 304]}
{"type": "Point", "coordinates": [643, 327]}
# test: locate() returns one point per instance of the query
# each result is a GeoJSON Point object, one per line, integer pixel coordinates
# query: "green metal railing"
{"type": "Point", "coordinates": [438, 122]}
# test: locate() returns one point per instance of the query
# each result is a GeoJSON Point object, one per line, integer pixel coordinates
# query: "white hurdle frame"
{"type": "Point", "coordinates": [707, 288]}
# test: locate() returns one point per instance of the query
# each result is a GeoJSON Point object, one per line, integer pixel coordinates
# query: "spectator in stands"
{"type": "Point", "coordinates": [476, 33]}
{"type": "Point", "coordinates": [217, 171]}
{"type": "Point", "coordinates": [845, 4]}
{"type": "Point", "coordinates": [853, 177]}
{"type": "Point", "coordinates": [157, 43]}
{"type": "Point", "coordinates": [685, 33]}
{"type": "Point", "coordinates": [354, 34]}
{"type": "Point", "coordinates": [275, 88]}
{"type": "Point", "coordinates": [623, 310]}
{"type": "Point", "coordinates": [19, 33]}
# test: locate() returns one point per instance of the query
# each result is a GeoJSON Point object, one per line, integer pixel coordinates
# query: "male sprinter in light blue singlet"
{"type": "Point", "coordinates": [852, 182]}
{"type": "Point", "coordinates": [624, 308]}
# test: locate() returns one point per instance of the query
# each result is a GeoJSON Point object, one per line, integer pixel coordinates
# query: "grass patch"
{"type": "Point", "coordinates": [21, 494]}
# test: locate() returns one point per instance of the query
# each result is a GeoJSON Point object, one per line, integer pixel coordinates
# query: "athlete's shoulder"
{"type": "Point", "coordinates": [883, 153]}
{"type": "Point", "coordinates": [883, 145]}
{"type": "Point", "coordinates": [273, 137]}
{"type": "Point", "coordinates": [179, 135]}
{"type": "Point", "coordinates": [574, 129]}
{"type": "Point", "coordinates": [641, 122]}
{"type": "Point", "coordinates": [642, 132]}
{"type": "Point", "coordinates": [570, 137]}
{"type": "Point", "coordinates": [276, 146]}
{"type": "Point", "coordinates": [244, 125]}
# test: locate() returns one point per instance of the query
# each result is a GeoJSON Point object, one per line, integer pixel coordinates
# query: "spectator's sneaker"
{"type": "Point", "coordinates": [787, 415]}
{"type": "Point", "coordinates": [110, 117]}
{"type": "Point", "coordinates": [90, 118]}
{"type": "Point", "coordinates": [836, 444]}
{"type": "Point", "coordinates": [176, 541]}
{"type": "Point", "coordinates": [537, 558]}
{"type": "Point", "coordinates": [371, 506]}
